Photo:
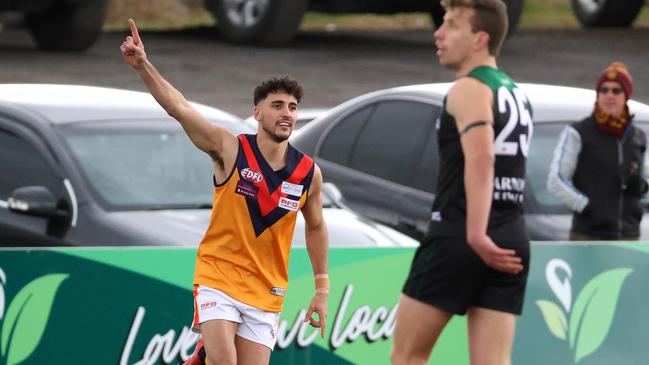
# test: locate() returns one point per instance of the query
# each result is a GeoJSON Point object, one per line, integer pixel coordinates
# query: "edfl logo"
{"type": "Point", "coordinates": [27, 316]}
{"type": "Point", "coordinates": [252, 175]}
{"type": "Point", "coordinates": [585, 324]}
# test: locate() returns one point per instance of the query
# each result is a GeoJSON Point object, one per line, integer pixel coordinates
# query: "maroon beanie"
{"type": "Point", "coordinates": [617, 72]}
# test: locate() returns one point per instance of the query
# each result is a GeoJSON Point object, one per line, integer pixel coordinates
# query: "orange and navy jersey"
{"type": "Point", "coordinates": [246, 248]}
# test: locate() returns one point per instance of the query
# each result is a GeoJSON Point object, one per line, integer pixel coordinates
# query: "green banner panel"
{"type": "Point", "coordinates": [585, 304]}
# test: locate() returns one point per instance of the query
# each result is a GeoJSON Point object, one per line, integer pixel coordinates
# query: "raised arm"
{"type": "Point", "coordinates": [469, 101]}
{"type": "Point", "coordinates": [212, 139]}
{"type": "Point", "coordinates": [317, 244]}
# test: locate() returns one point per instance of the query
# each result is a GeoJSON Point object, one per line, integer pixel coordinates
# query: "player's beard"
{"type": "Point", "coordinates": [274, 136]}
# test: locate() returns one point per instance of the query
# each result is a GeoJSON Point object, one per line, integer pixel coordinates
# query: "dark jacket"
{"type": "Point", "coordinates": [609, 173]}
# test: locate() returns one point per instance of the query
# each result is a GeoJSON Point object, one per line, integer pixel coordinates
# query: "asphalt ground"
{"type": "Point", "coordinates": [333, 67]}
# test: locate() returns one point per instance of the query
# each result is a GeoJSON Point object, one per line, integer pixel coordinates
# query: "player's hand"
{"type": "Point", "coordinates": [318, 306]}
{"type": "Point", "coordinates": [133, 48]}
{"type": "Point", "coordinates": [495, 257]}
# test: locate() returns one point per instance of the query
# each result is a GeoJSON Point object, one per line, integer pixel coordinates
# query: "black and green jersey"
{"type": "Point", "coordinates": [512, 117]}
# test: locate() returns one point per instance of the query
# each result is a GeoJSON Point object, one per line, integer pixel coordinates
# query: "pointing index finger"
{"type": "Point", "coordinates": [134, 33]}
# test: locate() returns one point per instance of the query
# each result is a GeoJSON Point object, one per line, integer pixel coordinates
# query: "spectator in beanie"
{"type": "Point", "coordinates": [598, 165]}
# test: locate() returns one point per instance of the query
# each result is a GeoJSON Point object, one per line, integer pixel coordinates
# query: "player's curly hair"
{"type": "Point", "coordinates": [489, 16]}
{"type": "Point", "coordinates": [278, 84]}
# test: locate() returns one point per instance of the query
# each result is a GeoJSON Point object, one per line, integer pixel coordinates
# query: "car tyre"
{"type": "Point", "coordinates": [68, 26]}
{"type": "Point", "coordinates": [266, 22]}
{"type": "Point", "coordinates": [606, 13]}
{"type": "Point", "coordinates": [437, 13]}
{"type": "Point", "coordinates": [514, 11]}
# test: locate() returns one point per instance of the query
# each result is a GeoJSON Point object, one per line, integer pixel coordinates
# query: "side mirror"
{"type": "Point", "coordinates": [34, 200]}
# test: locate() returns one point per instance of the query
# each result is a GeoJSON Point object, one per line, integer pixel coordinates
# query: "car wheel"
{"type": "Point", "coordinates": [257, 21]}
{"type": "Point", "coordinates": [606, 13]}
{"type": "Point", "coordinates": [437, 13]}
{"type": "Point", "coordinates": [514, 11]}
{"type": "Point", "coordinates": [68, 26]}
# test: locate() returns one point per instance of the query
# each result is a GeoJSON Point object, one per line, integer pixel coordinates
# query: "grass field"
{"type": "Point", "coordinates": [175, 14]}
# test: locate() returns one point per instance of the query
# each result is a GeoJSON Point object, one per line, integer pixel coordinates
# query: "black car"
{"type": "Point", "coordinates": [61, 25]}
{"type": "Point", "coordinates": [380, 150]}
{"type": "Point", "coordinates": [94, 166]}
{"type": "Point", "coordinates": [276, 21]}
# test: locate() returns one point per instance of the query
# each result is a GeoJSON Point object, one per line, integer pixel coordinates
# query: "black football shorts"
{"type": "Point", "coordinates": [449, 275]}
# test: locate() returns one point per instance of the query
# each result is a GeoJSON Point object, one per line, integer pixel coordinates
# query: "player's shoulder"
{"type": "Point", "coordinates": [466, 82]}
{"type": "Point", "coordinates": [467, 90]}
{"type": "Point", "coordinates": [468, 85]}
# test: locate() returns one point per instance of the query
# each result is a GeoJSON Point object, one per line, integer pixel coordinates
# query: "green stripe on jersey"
{"type": "Point", "coordinates": [492, 77]}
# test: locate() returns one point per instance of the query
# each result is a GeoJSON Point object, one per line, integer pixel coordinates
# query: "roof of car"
{"type": "Point", "coordinates": [72, 103]}
{"type": "Point", "coordinates": [549, 102]}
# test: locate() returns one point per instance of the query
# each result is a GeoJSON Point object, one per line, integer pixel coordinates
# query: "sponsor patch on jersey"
{"type": "Point", "coordinates": [292, 189]}
{"type": "Point", "coordinates": [280, 292]}
{"type": "Point", "coordinates": [289, 204]}
{"type": "Point", "coordinates": [436, 216]}
{"type": "Point", "coordinates": [252, 175]}
{"type": "Point", "coordinates": [246, 189]}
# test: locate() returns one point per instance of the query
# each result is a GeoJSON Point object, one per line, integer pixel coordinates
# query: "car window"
{"type": "Point", "coordinates": [424, 175]}
{"type": "Point", "coordinates": [392, 136]}
{"type": "Point", "coordinates": [141, 165]}
{"type": "Point", "coordinates": [23, 165]}
{"type": "Point", "coordinates": [338, 143]}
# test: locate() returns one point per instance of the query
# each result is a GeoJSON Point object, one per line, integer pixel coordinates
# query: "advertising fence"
{"type": "Point", "coordinates": [585, 304]}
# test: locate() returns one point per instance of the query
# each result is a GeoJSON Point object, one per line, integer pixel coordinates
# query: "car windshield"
{"type": "Point", "coordinates": [139, 165]}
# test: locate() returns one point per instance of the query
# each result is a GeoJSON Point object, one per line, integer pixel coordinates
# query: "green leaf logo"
{"type": "Point", "coordinates": [27, 317]}
{"type": "Point", "coordinates": [554, 318]}
{"type": "Point", "coordinates": [593, 312]}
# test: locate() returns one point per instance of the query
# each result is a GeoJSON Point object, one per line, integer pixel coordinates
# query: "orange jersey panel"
{"type": "Point", "coordinates": [246, 248]}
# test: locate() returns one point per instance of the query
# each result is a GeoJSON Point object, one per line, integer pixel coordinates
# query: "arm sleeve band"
{"type": "Point", "coordinates": [473, 125]}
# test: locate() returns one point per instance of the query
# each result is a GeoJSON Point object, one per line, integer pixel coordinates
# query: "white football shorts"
{"type": "Point", "coordinates": [255, 325]}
